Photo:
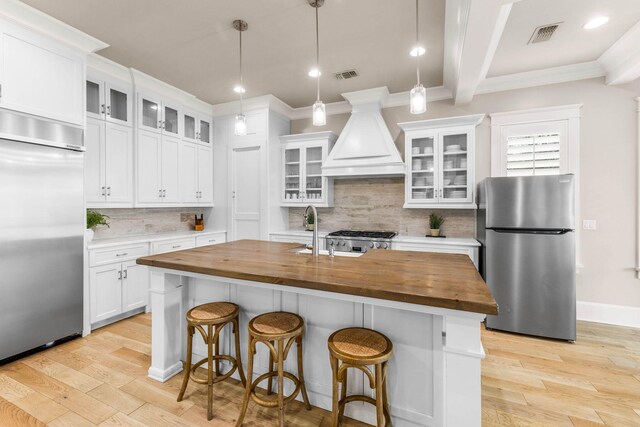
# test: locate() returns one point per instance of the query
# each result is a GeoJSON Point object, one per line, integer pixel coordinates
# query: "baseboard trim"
{"type": "Point", "coordinates": [619, 315]}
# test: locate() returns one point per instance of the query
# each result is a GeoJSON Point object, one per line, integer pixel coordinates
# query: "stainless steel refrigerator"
{"type": "Point", "coordinates": [526, 226]}
{"type": "Point", "coordinates": [41, 233]}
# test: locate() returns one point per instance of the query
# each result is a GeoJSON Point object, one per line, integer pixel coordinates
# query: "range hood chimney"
{"type": "Point", "coordinates": [365, 147]}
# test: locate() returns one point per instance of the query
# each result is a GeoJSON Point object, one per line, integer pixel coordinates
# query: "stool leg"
{"type": "Point", "coordinates": [334, 385]}
{"type": "Point", "coordinates": [385, 397]}
{"type": "Point", "coordinates": [210, 372]}
{"type": "Point", "coordinates": [187, 365]}
{"type": "Point", "coordinates": [236, 332]}
{"type": "Point", "coordinates": [281, 382]}
{"type": "Point", "coordinates": [303, 387]}
{"type": "Point", "coordinates": [270, 379]}
{"type": "Point", "coordinates": [379, 405]}
{"type": "Point", "coordinates": [216, 346]}
{"type": "Point", "coordinates": [247, 393]}
{"type": "Point", "coordinates": [343, 394]}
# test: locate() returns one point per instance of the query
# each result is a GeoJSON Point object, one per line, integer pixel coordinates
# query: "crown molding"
{"type": "Point", "coordinates": [622, 59]}
{"type": "Point", "coordinates": [547, 76]}
{"type": "Point", "coordinates": [99, 64]}
{"type": "Point", "coordinates": [42, 23]}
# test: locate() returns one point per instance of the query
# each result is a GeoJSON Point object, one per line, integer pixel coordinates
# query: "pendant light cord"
{"type": "Point", "coordinates": [417, 44]}
{"type": "Point", "coordinates": [241, 81]}
{"type": "Point", "coordinates": [317, 50]}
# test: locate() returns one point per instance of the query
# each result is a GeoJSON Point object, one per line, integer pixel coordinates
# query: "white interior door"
{"type": "Point", "coordinates": [188, 172]}
{"type": "Point", "coordinates": [246, 168]}
{"type": "Point", "coordinates": [119, 163]}
{"type": "Point", "coordinates": [94, 173]}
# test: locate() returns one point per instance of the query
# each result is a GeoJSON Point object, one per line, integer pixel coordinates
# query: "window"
{"type": "Point", "coordinates": [537, 154]}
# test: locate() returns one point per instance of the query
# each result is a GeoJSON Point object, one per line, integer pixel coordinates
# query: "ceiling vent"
{"type": "Point", "coordinates": [543, 33]}
{"type": "Point", "coordinates": [344, 75]}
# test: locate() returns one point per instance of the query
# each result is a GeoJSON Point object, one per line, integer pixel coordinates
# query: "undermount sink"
{"type": "Point", "coordinates": [326, 253]}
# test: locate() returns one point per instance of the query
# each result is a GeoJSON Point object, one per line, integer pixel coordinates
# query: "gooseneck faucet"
{"type": "Point", "coordinates": [315, 248]}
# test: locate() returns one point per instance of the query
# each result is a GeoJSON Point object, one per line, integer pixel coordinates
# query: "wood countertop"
{"type": "Point", "coordinates": [433, 279]}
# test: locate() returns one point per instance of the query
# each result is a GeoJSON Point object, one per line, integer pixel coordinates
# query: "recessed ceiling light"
{"type": "Point", "coordinates": [239, 89]}
{"type": "Point", "coordinates": [314, 72]}
{"type": "Point", "coordinates": [417, 51]}
{"type": "Point", "coordinates": [596, 22]}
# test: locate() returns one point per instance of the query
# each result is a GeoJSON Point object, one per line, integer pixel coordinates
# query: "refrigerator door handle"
{"type": "Point", "coordinates": [522, 231]}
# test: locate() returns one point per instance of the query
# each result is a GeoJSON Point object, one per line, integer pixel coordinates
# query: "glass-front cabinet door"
{"type": "Point", "coordinates": [118, 104]}
{"type": "Point", "coordinates": [292, 168]}
{"type": "Point", "coordinates": [95, 99]}
{"type": "Point", "coordinates": [150, 113]}
{"type": "Point", "coordinates": [455, 182]}
{"type": "Point", "coordinates": [314, 183]}
{"type": "Point", "coordinates": [170, 119]}
{"type": "Point", "coordinates": [189, 127]}
{"type": "Point", "coordinates": [423, 178]}
{"type": "Point", "coordinates": [204, 133]}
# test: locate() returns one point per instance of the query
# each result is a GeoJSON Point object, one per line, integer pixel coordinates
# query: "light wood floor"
{"type": "Point", "coordinates": [101, 380]}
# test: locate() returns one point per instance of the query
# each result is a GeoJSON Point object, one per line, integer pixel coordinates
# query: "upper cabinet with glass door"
{"type": "Point", "coordinates": [158, 115]}
{"type": "Point", "coordinates": [440, 155]}
{"type": "Point", "coordinates": [109, 100]}
{"type": "Point", "coordinates": [302, 159]}
{"type": "Point", "coordinates": [196, 127]}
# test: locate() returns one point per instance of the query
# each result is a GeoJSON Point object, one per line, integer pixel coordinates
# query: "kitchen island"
{"type": "Point", "coordinates": [429, 304]}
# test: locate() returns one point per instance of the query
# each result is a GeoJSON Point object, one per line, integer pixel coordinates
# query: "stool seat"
{"type": "Point", "coordinates": [276, 323]}
{"type": "Point", "coordinates": [360, 343]}
{"type": "Point", "coordinates": [212, 312]}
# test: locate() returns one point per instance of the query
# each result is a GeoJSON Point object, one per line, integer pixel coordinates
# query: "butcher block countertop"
{"type": "Point", "coordinates": [434, 279]}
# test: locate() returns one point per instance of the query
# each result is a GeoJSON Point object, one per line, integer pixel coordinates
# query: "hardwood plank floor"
{"type": "Point", "coordinates": [101, 380]}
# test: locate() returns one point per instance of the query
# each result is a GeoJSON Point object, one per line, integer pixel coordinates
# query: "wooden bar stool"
{"type": "Point", "coordinates": [214, 316]}
{"type": "Point", "coordinates": [278, 331]}
{"type": "Point", "coordinates": [359, 348]}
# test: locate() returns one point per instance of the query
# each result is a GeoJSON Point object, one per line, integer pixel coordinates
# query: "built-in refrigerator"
{"type": "Point", "coordinates": [526, 226]}
{"type": "Point", "coordinates": [41, 233]}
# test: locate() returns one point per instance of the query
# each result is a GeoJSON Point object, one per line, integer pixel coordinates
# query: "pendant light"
{"type": "Point", "coordinates": [240, 127]}
{"type": "Point", "coordinates": [418, 93]}
{"type": "Point", "coordinates": [319, 111]}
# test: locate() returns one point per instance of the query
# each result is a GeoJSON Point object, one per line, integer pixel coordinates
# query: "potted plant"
{"type": "Point", "coordinates": [310, 221]}
{"type": "Point", "coordinates": [94, 219]}
{"type": "Point", "coordinates": [435, 222]}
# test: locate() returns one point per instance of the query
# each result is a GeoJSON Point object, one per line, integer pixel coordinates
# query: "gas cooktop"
{"type": "Point", "coordinates": [364, 234]}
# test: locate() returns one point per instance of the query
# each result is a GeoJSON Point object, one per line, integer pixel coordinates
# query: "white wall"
{"type": "Point", "coordinates": [608, 171]}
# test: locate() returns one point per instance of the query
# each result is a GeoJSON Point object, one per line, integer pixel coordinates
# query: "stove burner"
{"type": "Point", "coordinates": [364, 234]}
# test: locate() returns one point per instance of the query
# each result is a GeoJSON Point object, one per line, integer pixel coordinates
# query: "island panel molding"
{"type": "Point", "coordinates": [434, 279]}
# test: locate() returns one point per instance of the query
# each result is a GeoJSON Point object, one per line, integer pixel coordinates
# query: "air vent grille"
{"type": "Point", "coordinates": [344, 75]}
{"type": "Point", "coordinates": [543, 33]}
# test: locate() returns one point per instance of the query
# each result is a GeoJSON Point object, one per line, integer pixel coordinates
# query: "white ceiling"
{"type": "Point", "coordinates": [191, 44]}
{"type": "Point", "coordinates": [570, 43]}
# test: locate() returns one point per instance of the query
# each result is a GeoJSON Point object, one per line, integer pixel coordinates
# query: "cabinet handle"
{"type": "Point", "coordinates": [103, 192]}
{"type": "Point", "coordinates": [176, 246]}
{"type": "Point", "coordinates": [164, 193]}
{"type": "Point", "coordinates": [159, 124]}
{"type": "Point", "coordinates": [108, 191]}
{"type": "Point", "coordinates": [102, 108]}
{"type": "Point", "coordinates": [125, 274]}
{"type": "Point", "coordinates": [163, 124]}
{"type": "Point", "coordinates": [120, 275]}
{"type": "Point", "coordinates": [123, 254]}
{"type": "Point", "coordinates": [108, 110]}
{"type": "Point", "coordinates": [212, 241]}
{"type": "Point", "coordinates": [159, 193]}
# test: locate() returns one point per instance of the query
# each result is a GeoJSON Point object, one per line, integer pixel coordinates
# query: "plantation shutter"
{"type": "Point", "coordinates": [529, 155]}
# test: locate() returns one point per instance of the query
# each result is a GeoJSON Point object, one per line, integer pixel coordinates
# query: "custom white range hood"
{"type": "Point", "coordinates": [365, 147]}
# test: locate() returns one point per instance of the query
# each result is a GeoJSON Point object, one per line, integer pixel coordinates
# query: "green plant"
{"type": "Point", "coordinates": [435, 221]}
{"type": "Point", "coordinates": [95, 219]}
{"type": "Point", "coordinates": [310, 218]}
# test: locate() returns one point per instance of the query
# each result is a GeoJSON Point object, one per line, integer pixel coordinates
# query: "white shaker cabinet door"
{"type": "Point", "coordinates": [135, 286]}
{"type": "Point", "coordinates": [205, 175]}
{"type": "Point", "coordinates": [170, 164]}
{"type": "Point", "coordinates": [94, 161]}
{"type": "Point", "coordinates": [149, 177]}
{"type": "Point", "coordinates": [189, 173]}
{"type": "Point", "coordinates": [119, 163]}
{"type": "Point", "coordinates": [105, 292]}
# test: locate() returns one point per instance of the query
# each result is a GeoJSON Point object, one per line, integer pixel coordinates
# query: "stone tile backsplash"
{"type": "Point", "coordinates": [376, 204]}
{"type": "Point", "coordinates": [135, 222]}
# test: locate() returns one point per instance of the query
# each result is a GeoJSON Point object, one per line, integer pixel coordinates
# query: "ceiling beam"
{"type": "Point", "coordinates": [473, 29]}
{"type": "Point", "coordinates": [622, 60]}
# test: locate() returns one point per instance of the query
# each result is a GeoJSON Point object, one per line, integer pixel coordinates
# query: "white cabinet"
{"type": "Point", "coordinates": [40, 76]}
{"type": "Point", "coordinates": [117, 284]}
{"type": "Point", "coordinates": [440, 160]}
{"type": "Point", "coordinates": [302, 159]}
{"type": "Point", "coordinates": [196, 127]}
{"type": "Point", "coordinates": [157, 168]}
{"type": "Point", "coordinates": [108, 100]}
{"type": "Point", "coordinates": [157, 115]}
{"type": "Point", "coordinates": [210, 239]}
{"type": "Point", "coordinates": [172, 245]}
{"type": "Point", "coordinates": [196, 174]}
{"type": "Point", "coordinates": [108, 164]}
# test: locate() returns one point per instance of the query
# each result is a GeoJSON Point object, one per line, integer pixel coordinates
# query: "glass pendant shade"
{"type": "Point", "coordinates": [241, 125]}
{"type": "Point", "coordinates": [418, 99]}
{"type": "Point", "coordinates": [319, 114]}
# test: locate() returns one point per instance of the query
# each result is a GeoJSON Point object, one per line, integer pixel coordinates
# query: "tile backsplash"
{"type": "Point", "coordinates": [376, 204]}
{"type": "Point", "coordinates": [135, 222]}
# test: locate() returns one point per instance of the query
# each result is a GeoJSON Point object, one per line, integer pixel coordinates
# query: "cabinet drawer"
{"type": "Point", "coordinates": [172, 245]}
{"type": "Point", "coordinates": [471, 252]}
{"type": "Point", "coordinates": [211, 239]}
{"type": "Point", "coordinates": [117, 254]}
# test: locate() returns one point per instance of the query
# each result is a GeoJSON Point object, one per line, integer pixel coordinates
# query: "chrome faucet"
{"type": "Point", "coordinates": [315, 248]}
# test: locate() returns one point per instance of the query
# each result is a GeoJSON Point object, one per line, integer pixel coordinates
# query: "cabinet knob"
{"type": "Point", "coordinates": [102, 108]}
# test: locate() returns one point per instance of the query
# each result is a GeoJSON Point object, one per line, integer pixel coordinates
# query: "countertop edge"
{"type": "Point", "coordinates": [149, 238]}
